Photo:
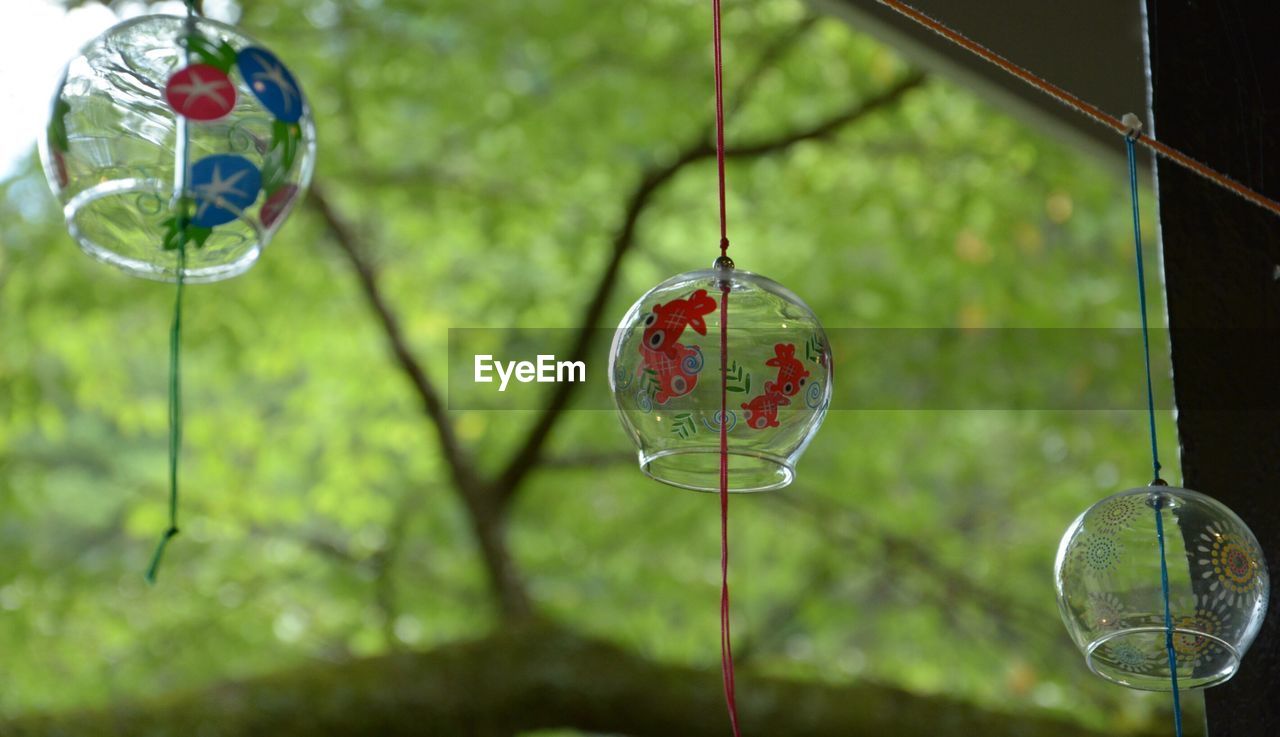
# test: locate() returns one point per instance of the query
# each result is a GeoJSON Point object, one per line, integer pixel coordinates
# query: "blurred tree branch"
{"type": "Point", "coordinates": [379, 564]}
{"type": "Point", "coordinates": [428, 177]}
{"type": "Point", "coordinates": [769, 58]}
{"type": "Point", "coordinates": [385, 561]}
{"type": "Point", "coordinates": [651, 182]}
{"type": "Point", "coordinates": [950, 590]}
{"type": "Point", "coordinates": [846, 530]}
{"type": "Point", "coordinates": [487, 522]}
{"type": "Point", "coordinates": [532, 677]}
{"type": "Point", "coordinates": [778, 619]}
{"type": "Point", "coordinates": [831, 125]}
{"type": "Point", "coordinates": [589, 460]}
{"type": "Point", "coordinates": [486, 500]}
{"type": "Point", "coordinates": [456, 458]}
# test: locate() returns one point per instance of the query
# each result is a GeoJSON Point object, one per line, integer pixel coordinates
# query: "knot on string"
{"type": "Point", "coordinates": [154, 568]}
{"type": "Point", "coordinates": [1132, 126]}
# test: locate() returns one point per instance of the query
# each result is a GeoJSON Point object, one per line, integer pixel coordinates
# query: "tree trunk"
{"type": "Point", "coordinates": [534, 677]}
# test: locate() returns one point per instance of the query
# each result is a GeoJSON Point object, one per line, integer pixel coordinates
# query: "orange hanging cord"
{"type": "Point", "coordinates": [1079, 105]}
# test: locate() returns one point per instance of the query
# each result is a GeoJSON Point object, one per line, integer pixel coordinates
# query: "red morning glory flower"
{"type": "Point", "coordinates": [201, 92]}
{"type": "Point", "coordinates": [277, 203]}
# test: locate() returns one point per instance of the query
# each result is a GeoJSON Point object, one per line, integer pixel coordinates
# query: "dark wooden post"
{"type": "Point", "coordinates": [1215, 68]}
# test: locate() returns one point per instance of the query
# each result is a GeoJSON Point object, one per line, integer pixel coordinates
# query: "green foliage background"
{"type": "Point", "coordinates": [485, 151]}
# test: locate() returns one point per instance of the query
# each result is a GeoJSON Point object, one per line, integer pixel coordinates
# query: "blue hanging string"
{"type": "Point", "coordinates": [1142, 301]}
{"type": "Point", "coordinates": [1168, 621]}
{"type": "Point", "coordinates": [1158, 503]}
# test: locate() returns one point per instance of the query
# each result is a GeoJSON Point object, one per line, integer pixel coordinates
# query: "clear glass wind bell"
{"type": "Point", "coordinates": [154, 92]}
{"type": "Point", "coordinates": [664, 372]}
{"type": "Point", "coordinates": [177, 147]}
{"type": "Point", "coordinates": [1161, 588]}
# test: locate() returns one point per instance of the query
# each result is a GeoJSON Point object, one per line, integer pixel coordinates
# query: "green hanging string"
{"type": "Point", "coordinates": [178, 237]}
{"type": "Point", "coordinates": [175, 416]}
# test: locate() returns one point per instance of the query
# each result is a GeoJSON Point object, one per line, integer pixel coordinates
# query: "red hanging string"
{"type": "Point", "coordinates": [724, 221]}
{"type": "Point", "coordinates": [726, 639]}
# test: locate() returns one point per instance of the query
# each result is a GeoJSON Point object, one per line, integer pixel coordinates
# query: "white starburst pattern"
{"type": "Point", "coordinates": [1116, 515]}
{"type": "Point", "coordinates": [273, 72]}
{"type": "Point", "coordinates": [214, 192]}
{"type": "Point", "coordinates": [1099, 554]}
{"type": "Point", "coordinates": [1106, 611]}
{"type": "Point", "coordinates": [1138, 657]}
{"type": "Point", "coordinates": [1230, 565]}
{"type": "Point", "coordinates": [1206, 615]}
{"type": "Point", "coordinates": [197, 89]}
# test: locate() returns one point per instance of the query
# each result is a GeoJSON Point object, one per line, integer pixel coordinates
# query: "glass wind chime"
{"type": "Point", "coordinates": [713, 405]}
{"type": "Point", "coordinates": [177, 147]}
{"type": "Point", "coordinates": [1161, 588]}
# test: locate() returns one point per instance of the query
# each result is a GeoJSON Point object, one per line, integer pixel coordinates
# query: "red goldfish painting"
{"type": "Point", "coordinates": [791, 371]}
{"type": "Point", "coordinates": [762, 411]}
{"type": "Point", "coordinates": [663, 328]}
{"type": "Point", "coordinates": [677, 370]}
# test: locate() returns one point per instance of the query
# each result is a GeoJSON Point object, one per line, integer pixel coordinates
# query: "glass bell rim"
{"type": "Point", "coordinates": [152, 17]}
{"type": "Point", "coordinates": [719, 275]}
{"type": "Point", "coordinates": [1151, 489]}
{"type": "Point", "coordinates": [1178, 491]}
{"type": "Point", "coordinates": [782, 464]}
{"type": "Point", "coordinates": [1156, 682]}
{"type": "Point", "coordinates": [148, 269]}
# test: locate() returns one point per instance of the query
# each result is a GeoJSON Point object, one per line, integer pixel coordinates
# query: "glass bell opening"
{"type": "Point", "coordinates": [1110, 594]}
{"type": "Point", "coordinates": [121, 223]}
{"type": "Point", "coordinates": [698, 469]}
{"type": "Point", "coordinates": [1125, 657]}
{"type": "Point", "coordinates": [664, 371]}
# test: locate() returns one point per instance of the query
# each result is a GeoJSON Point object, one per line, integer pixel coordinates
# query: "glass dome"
{"type": "Point", "coordinates": [664, 372]}
{"type": "Point", "coordinates": [114, 144]}
{"type": "Point", "coordinates": [1109, 592]}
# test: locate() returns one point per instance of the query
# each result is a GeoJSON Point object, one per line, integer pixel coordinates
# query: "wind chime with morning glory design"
{"type": "Point", "coordinates": [712, 407]}
{"type": "Point", "coordinates": [177, 146]}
